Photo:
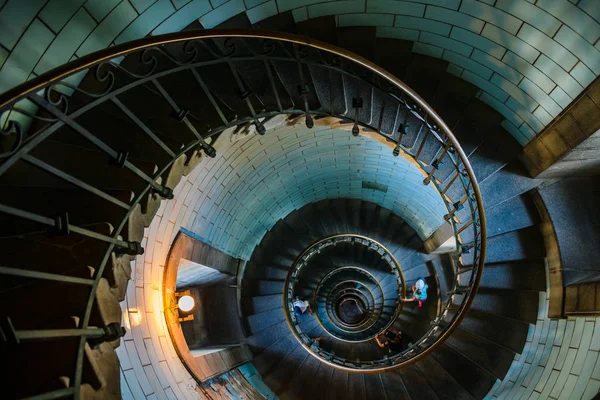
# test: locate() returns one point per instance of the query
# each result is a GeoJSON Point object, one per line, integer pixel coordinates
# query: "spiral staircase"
{"type": "Point", "coordinates": [104, 157]}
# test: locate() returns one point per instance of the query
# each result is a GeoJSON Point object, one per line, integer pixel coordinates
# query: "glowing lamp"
{"type": "Point", "coordinates": [186, 303]}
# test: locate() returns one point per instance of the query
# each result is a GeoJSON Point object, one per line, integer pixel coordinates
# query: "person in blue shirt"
{"type": "Point", "coordinates": [300, 307]}
{"type": "Point", "coordinates": [419, 292]}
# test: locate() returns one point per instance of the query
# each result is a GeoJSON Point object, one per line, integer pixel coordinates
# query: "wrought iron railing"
{"type": "Point", "coordinates": [31, 114]}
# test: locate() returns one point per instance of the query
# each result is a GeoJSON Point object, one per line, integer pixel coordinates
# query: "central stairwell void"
{"type": "Point", "coordinates": [104, 153]}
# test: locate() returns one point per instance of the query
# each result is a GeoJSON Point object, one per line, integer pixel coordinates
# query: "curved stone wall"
{"type": "Point", "coordinates": [255, 181]}
{"type": "Point", "coordinates": [530, 58]}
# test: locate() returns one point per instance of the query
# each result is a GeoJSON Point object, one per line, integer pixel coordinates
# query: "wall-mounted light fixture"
{"type": "Point", "coordinates": [185, 303]}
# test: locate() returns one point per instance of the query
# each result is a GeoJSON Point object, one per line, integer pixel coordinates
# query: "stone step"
{"type": "Point", "coordinates": [415, 384]}
{"type": "Point", "coordinates": [438, 379]}
{"type": "Point", "coordinates": [476, 380]}
{"type": "Point", "coordinates": [487, 354]}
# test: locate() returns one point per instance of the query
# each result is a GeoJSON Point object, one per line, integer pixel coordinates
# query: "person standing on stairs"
{"type": "Point", "coordinates": [316, 343]}
{"type": "Point", "coordinates": [300, 307]}
{"type": "Point", "coordinates": [392, 340]}
{"type": "Point", "coordinates": [419, 292]}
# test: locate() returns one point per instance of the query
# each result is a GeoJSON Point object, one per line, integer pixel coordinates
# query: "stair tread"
{"type": "Point", "coordinates": [519, 275]}
{"type": "Point", "coordinates": [302, 384]}
{"type": "Point", "coordinates": [395, 386]}
{"type": "Point", "coordinates": [507, 303]}
{"type": "Point", "coordinates": [265, 338]}
{"type": "Point", "coordinates": [258, 304]}
{"type": "Point", "coordinates": [374, 387]}
{"type": "Point", "coordinates": [507, 183]}
{"type": "Point", "coordinates": [356, 387]}
{"type": "Point", "coordinates": [494, 327]}
{"type": "Point", "coordinates": [442, 383]}
{"type": "Point", "coordinates": [473, 378]}
{"type": "Point", "coordinates": [415, 384]}
{"type": "Point", "coordinates": [339, 384]}
{"type": "Point", "coordinates": [517, 245]}
{"type": "Point", "coordinates": [264, 320]}
{"type": "Point", "coordinates": [281, 373]}
{"type": "Point", "coordinates": [514, 214]}
{"type": "Point", "coordinates": [274, 353]}
{"type": "Point", "coordinates": [493, 358]}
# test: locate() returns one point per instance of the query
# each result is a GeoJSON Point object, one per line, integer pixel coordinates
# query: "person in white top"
{"type": "Point", "coordinates": [300, 307]}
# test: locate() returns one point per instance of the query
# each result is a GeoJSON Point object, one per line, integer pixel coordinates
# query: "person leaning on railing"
{"type": "Point", "coordinates": [315, 343]}
{"type": "Point", "coordinates": [392, 340]}
{"type": "Point", "coordinates": [419, 292]}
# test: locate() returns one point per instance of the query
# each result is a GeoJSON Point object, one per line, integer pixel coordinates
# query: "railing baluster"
{"type": "Point", "coordinates": [43, 103]}
{"type": "Point", "coordinates": [24, 273]}
{"type": "Point", "coordinates": [128, 247]}
{"type": "Point", "coordinates": [457, 207]}
{"type": "Point", "coordinates": [303, 87]}
{"type": "Point", "coordinates": [357, 104]}
{"type": "Point", "coordinates": [435, 165]}
{"type": "Point", "coordinates": [454, 176]}
{"type": "Point", "coordinates": [209, 95]}
{"type": "Point", "coordinates": [142, 126]}
{"type": "Point", "coordinates": [71, 179]}
{"type": "Point", "coordinates": [273, 85]}
{"type": "Point", "coordinates": [165, 192]}
{"type": "Point", "coordinates": [176, 108]}
{"type": "Point", "coordinates": [208, 149]}
{"type": "Point", "coordinates": [465, 226]}
{"type": "Point", "coordinates": [44, 334]}
{"type": "Point", "coordinates": [372, 101]}
{"type": "Point", "coordinates": [422, 142]}
{"type": "Point", "coordinates": [396, 126]}
{"type": "Point", "coordinates": [245, 94]}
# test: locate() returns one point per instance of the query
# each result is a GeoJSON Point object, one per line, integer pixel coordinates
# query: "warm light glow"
{"type": "Point", "coordinates": [185, 303]}
{"type": "Point", "coordinates": [131, 318]}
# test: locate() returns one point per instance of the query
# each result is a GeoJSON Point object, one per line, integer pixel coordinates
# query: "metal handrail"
{"type": "Point", "coordinates": [105, 64]}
